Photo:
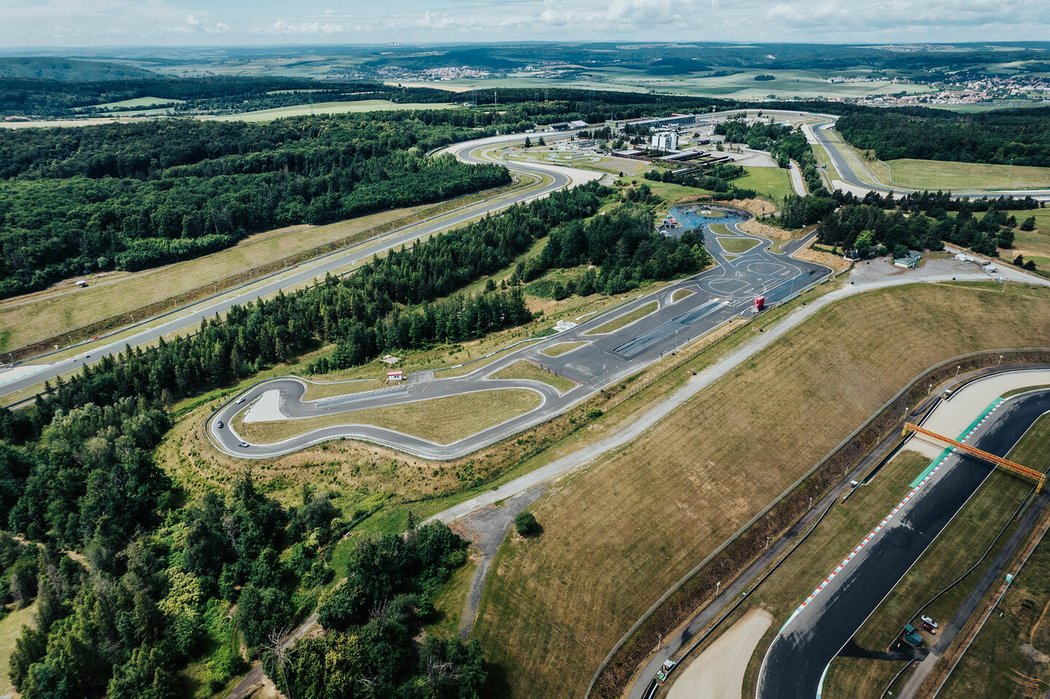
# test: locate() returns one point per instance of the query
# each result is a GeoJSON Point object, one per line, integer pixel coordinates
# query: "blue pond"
{"type": "Point", "coordinates": [690, 217]}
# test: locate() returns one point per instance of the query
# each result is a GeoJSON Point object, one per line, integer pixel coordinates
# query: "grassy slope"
{"type": "Point", "coordinates": [442, 420]}
{"type": "Point", "coordinates": [621, 533]}
{"type": "Point", "coordinates": [10, 629]}
{"type": "Point", "coordinates": [1034, 244]}
{"type": "Point", "coordinates": [46, 314]}
{"type": "Point", "coordinates": [997, 665]}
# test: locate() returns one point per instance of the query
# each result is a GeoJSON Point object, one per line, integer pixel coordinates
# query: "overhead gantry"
{"type": "Point", "coordinates": [1037, 477]}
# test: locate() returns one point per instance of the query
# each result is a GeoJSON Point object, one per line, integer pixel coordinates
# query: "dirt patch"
{"type": "Point", "coordinates": [759, 207]}
{"type": "Point", "coordinates": [835, 262]}
{"type": "Point", "coordinates": [718, 672]}
{"type": "Point", "coordinates": [756, 227]}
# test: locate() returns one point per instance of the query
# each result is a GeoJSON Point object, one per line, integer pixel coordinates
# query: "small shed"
{"type": "Point", "coordinates": [909, 262]}
{"type": "Point", "coordinates": [396, 375]}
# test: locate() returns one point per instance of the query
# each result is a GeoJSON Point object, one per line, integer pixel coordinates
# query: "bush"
{"type": "Point", "coordinates": [526, 525]}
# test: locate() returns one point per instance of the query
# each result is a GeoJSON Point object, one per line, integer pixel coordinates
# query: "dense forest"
{"type": "Point", "coordinates": [130, 196]}
{"type": "Point", "coordinates": [620, 251]}
{"type": "Point", "coordinates": [154, 580]}
{"type": "Point", "coordinates": [883, 225]}
{"type": "Point", "coordinates": [1010, 137]}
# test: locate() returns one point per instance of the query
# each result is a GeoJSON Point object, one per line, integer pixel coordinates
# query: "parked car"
{"type": "Point", "coordinates": [928, 624]}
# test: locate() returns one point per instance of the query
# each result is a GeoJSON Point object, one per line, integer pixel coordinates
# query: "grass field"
{"type": "Point", "coordinates": [530, 371]}
{"type": "Point", "coordinates": [622, 532]}
{"type": "Point", "coordinates": [449, 601]}
{"type": "Point", "coordinates": [562, 348]}
{"type": "Point", "coordinates": [737, 246]}
{"type": "Point", "coordinates": [334, 108]}
{"type": "Point", "coordinates": [1008, 658]}
{"type": "Point", "coordinates": [10, 629]}
{"type": "Point", "coordinates": [441, 420]}
{"type": "Point", "coordinates": [328, 389]}
{"type": "Point", "coordinates": [771, 182]}
{"type": "Point", "coordinates": [625, 319]}
{"type": "Point", "coordinates": [938, 174]}
{"type": "Point", "coordinates": [1035, 244]}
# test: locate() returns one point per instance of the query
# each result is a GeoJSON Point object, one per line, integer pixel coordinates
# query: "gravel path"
{"type": "Point", "coordinates": [718, 672]}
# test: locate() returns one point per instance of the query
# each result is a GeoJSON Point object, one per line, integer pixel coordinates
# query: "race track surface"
{"type": "Point", "coordinates": [720, 293]}
{"type": "Point", "coordinates": [801, 652]}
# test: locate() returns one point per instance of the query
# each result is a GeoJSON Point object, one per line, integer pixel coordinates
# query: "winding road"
{"type": "Point", "coordinates": [717, 295]}
{"type": "Point", "coordinates": [798, 658]}
{"type": "Point", "coordinates": [552, 178]}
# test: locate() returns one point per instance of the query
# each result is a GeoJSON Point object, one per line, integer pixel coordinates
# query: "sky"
{"type": "Point", "coordinates": [87, 23]}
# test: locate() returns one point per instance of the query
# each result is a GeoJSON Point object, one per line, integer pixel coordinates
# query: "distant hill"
{"type": "Point", "coordinates": [47, 68]}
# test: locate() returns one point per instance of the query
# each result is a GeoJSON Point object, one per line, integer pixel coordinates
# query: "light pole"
{"type": "Point", "coordinates": [1000, 361]}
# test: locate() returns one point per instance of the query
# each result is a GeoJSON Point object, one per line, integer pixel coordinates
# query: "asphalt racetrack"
{"type": "Point", "coordinates": [800, 654]}
{"type": "Point", "coordinates": [719, 293]}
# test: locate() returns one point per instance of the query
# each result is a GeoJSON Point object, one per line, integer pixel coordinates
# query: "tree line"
{"type": "Point", "coordinates": [881, 225]}
{"type": "Point", "coordinates": [394, 300]}
{"type": "Point", "coordinates": [135, 196]}
{"type": "Point", "coordinates": [1006, 136]}
{"type": "Point", "coordinates": [621, 249]}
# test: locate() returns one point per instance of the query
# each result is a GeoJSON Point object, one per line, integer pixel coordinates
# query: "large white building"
{"type": "Point", "coordinates": [664, 141]}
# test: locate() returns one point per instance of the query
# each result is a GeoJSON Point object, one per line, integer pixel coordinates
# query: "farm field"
{"type": "Point", "coordinates": [440, 420]}
{"type": "Point", "coordinates": [613, 543]}
{"type": "Point", "coordinates": [333, 108]}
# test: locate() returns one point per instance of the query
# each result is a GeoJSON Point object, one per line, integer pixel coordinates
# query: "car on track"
{"type": "Point", "coordinates": [240, 400]}
{"type": "Point", "coordinates": [242, 444]}
{"type": "Point", "coordinates": [220, 424]}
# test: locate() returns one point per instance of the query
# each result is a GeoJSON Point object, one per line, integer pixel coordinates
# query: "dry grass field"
{"type": "Point", "coordinates": [440, 420]}
{"type": "Point", "coordinates": [562, 348]}
{"type": "Point", "coordinates": [622, 532]}
{"type": "Point", "coordinates": [524, 369]}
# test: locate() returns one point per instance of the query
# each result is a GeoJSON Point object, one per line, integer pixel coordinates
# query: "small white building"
{"type": "Point", "coordinates": [664, 140]}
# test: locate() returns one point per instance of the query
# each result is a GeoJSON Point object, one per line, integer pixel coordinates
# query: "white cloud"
{"type": "Point", "coordinates": [85, 22]}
